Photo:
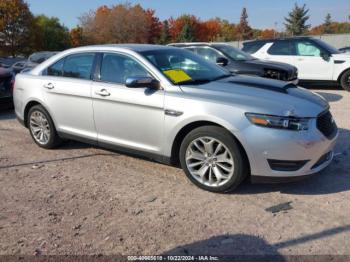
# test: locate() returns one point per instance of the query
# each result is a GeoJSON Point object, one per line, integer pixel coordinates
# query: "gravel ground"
{"type": "Point", "coordinates": [84, 200]}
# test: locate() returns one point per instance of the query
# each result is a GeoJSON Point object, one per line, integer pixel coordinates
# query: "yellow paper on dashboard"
{"type": "Point", "coordinates": [177, 75]}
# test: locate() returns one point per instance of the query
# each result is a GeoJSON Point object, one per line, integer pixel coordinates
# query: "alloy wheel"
{"type": "Point", "coordinates": [40, 127]}
{"type": "Point", "coordinates": [209, 161]}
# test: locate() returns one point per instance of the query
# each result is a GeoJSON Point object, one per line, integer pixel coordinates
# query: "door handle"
{"type": "Point", "coordinates": [102, 92]}
{"type": "Point", "coordinates": [49, 86]}
{"type": "Point", "coordinates": [300, 59]}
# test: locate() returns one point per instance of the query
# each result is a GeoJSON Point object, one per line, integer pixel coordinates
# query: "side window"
{"type": "Point", "coordinates": [78, 66]}
{"type": "Point", "coordinates": [117, 68]}
{"type": "Point", "coordinates": [281, 48]}
{"type": "Point", "coordinates": [307, 49]}
{"type": "Point", "coordinates": [56, 69]}
{"type": "Point", "coordinates": [208, 53]}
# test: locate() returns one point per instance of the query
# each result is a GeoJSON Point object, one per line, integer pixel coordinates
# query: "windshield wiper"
{"type": "Point", "coordinates": [221, 77]}
{"type": "Point", "coordinates": [195, 82]}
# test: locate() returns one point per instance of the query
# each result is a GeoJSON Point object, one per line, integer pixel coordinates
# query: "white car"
{"type": "Point", "coordinates": [316, 61]}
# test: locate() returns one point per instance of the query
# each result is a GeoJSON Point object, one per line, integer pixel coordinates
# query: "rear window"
{"type": "Point", "coordinates": [252, 47]}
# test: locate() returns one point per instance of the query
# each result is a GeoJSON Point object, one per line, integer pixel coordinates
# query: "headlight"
{"type": "Point", "coordinates": [280, 122]}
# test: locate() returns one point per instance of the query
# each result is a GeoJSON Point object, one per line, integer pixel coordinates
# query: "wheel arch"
{"type": "Point", "coordinates": [342, 73]}
{"type": "Point", "coordinates": [29, 105]}
{"type": "Point", "coordinates": [181, 134]}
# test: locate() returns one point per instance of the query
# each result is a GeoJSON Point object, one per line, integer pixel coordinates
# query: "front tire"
{"type": "Point", "coordinates": [212, 159]}
{"type": "Point", "coordinates": [345, 81]}
{"type": "Point", "coordinates": [42, 128]}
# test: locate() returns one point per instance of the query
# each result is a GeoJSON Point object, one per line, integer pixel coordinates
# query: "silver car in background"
{"type": "Point", "coordinates": [172, 106]}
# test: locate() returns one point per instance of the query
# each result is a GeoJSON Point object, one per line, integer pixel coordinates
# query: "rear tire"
{"type": "Point", "coordinates": [345, 81]}
{"type": "Point", "coordinates": [42, 128]}
{"type": "Point", "coordinates": [213, 160]}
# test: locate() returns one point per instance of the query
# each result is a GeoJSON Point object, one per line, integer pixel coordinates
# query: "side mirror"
{"type": "Point", "coordinates": [222, 61]}
{"type": "Point", "coordinates": [325, 56]}
{"type": "Point", "coordinates": [142, 82]}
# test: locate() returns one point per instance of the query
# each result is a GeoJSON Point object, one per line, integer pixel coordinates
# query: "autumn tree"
{"type": "Point", "coordinates": [154, 26]}
{"type": "Point", "coordinates": [296, 22]}
{"type": "Point", "coordinates": [268, 34]}
{"type": "Point", "coordinates": [16, 21]}
{"type": "Point", "coordinates": [76, 36]}
{"type": "Point", "coordinates": [52, 34]}
{"type": "Point", "coordinates": [327, 25]}
{"type": "Point", "coordinates": [184, 28]}
{"type": "Point", "coordinates": [244, 30]}
{"type": "Point", "coordinates": [122, 23]}
{"type": "Point", "coordinates": [209, 30]}
{"type": "Point", "coordinates": [228, 31]}
{"type": "Point", "coordinates": [164, 37]}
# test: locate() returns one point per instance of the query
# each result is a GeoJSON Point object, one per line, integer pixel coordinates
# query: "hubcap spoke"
{"type": "Point", "coordinates": [40, 127]}
{"type": "Point", "coordinates": [209, 161]}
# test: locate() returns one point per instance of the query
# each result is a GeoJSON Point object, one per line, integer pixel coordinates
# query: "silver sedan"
{"type": "Point", "coordinates": [169, 105]}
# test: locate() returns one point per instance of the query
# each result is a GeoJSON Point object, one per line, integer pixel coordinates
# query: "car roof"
{"type": "Point", "coordinates": [198, 44]}
{"type": "Point", "coordinates": [279, 38]}
{"type": "Point", "coordinates": [133, 47]}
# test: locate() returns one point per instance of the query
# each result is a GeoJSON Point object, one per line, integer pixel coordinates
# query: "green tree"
{"type": "Point", "coordinates": [187, 34]}
{"type": "Point", "coordinates": [296, 22]}
{"type": "Point", "coordinates": [15, 25]}
{"type": "Point", "coordinates": [165, 36]}
{"type": "Point", "coordinates": [327, 25]}
{"type": "Point", "coordinates": [244, 30]}
{"type": "Point", "coordinates": [53, 35]}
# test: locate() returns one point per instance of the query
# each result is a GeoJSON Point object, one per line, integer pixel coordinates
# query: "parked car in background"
{"type": "Point", "coordinates": [239, 62]}
{"type": "Point", "coordinates": [6, 88]}
{"type": "Point", "coordinates": [32, 61]}
{"type": "Point", "coordinates": [19, 66]}
{"type": "Point", "coordinates": [171, 105]}
{"type": "Point", "coordinates": [3, 65]}
{"type": "Point", "coordinates": [345, 49]}
{"type": "Point", "coordinates": [316, 60]}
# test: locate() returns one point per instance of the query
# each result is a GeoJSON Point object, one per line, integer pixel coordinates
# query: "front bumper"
{"type": "Point", "coordinates": [262, 144]}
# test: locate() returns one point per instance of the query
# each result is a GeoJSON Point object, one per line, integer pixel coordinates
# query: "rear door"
{"type": "Point", "coordinates": [281, 51]}
{"type": "Point", "coordinates": [67, 91]}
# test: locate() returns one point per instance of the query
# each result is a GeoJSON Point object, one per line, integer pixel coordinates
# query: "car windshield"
{"type": "Point", "coordinates": [327, 47]}
{"type": "Point", "coordinates": [234, 53]}
{"type": "Point", "coordinates": [183, 67]}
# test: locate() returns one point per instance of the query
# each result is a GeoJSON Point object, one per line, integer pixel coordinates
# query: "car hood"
{"type": "Point", "coordinates": [260, 95]}
{"type": "Point", "coordinates": [343, 56]}
{"type": "Point", "coordinates": [272, 65]}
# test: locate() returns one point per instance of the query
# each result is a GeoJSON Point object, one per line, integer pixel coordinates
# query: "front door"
{"type": "Point", "coordinates": [310, 63]}
{"type": "Point", "coordinates": [127, 117]}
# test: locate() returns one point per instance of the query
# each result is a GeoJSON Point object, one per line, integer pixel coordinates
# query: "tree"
{"type": "Point", "coordinates": [122, 23]}
{"type": "Point", "coordinates": [184, 28]}
{"type": "Point", "coordinates": [244, 30]}
{"type": "Point", "coordinates": [228, 31]}
{"type": "Point", "coordinates": [15, 25]}
{"type": "Point", "coordinates": [209, 30]}
{"type": "Point", "coordinates": [165, 36]}
{"type": "Point", "coordinates": [268, 34]}
{"type": "Point", "coordinates": [296, 21]}
{"type": "Point", "coordinates": [53, 36]}
{"type": "Point", "coordinates": [154, 26]}
{"type": "Point", "coordinates": [327, 25]}
{"type": "Point", "coordinates": [76, 36]}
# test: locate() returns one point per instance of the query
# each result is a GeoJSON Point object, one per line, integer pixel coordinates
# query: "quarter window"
{"type": "Point", "coordinates": [78, 66]}
{"type": "Point", "coordinates": [56, 69]}
{"type": "Point", "coordinates": [117, 68]}
{"type": "Point", "coordinates": [281, 48]}
{"type": "Point", "coordinates": [307, 49]}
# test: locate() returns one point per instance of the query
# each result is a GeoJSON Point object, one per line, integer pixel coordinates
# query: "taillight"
{"type": "Point", "coordinates": [12, 85]}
